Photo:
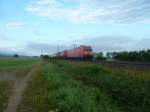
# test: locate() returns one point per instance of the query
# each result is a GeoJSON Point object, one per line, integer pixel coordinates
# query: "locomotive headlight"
{"type": "Point", "coordinates": [87, 53]}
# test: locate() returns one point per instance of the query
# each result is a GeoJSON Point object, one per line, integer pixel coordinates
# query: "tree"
{"type": "Point", "coordinates": [109, 55]}
{"type": "Point", "coordinates": [16, 55]}
{"type": "Point", "coordinates": [143, 55]}
{"type": "Point", "coordinates": [45, 57]}
{"type": "Point", "coordinates": [100, 56]}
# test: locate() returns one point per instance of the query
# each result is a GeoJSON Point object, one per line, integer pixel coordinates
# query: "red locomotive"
{"type": "Point", "coordinates": [80, 52]}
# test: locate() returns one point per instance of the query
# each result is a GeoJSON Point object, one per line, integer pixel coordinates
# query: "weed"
{"type": "Point", "coordinates": [131, 92]}
{"type": "Point", "coordinates": [5, 90]}
{"type": "Point", "coordinates": [68, 95]}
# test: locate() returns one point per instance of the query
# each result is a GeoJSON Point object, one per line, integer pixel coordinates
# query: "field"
{"type": "Point", "coordinates": [12, 74]}
{"type": "Point", "coordinates": [66, 86]}
{"type": "Point", "coordinates": [5, 89]}
{"type": "Point", "coordinates": [69, 86]}
{"type": "Point", "coordinates": [11, 64]}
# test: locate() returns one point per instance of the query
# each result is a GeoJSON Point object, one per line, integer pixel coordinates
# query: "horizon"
{"type": "Point", "coordinates": [34, 27]}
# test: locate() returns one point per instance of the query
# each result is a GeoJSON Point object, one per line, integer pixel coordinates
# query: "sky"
{"type": "Point", "coordinates": [34, 27]}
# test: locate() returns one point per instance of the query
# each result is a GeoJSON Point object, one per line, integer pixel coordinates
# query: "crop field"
{"type": "Point", "coordinates": [12, 74]}
{"type": "Point", "coordinates": [11, 64]}
{"type": "Point", "coordinates": [64, 86]}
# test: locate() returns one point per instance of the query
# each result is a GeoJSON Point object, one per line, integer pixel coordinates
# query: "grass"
{"type": "Point", "coordinates": [130, 90]}
{"type": "Point", "coordinates": [51, 90]}
{"type": "Point", "coordinates": [63, 86]}
{"type": "Point", "coordinates": [12, 66]}
{"type": "Point", "coordinates": [68, 95]}
{"type": "Point", "coordinates": [10, 63]}
{"type": "Point", "coordinates": [5, 90]}
{"type": "Point", "coordinates": [34, 97]}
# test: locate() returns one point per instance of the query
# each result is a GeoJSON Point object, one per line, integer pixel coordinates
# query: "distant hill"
{"type": "Point", "coordinates": [5, 55]}
{"type": "Point", "coordinates": [12, 55]}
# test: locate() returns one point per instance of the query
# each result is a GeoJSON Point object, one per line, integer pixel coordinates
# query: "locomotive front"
{"type": "Point", "coordinates": [86, 51]}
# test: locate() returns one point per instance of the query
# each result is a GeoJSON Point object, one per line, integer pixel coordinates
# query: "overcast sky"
{"type": "Point", "coordinates": [32, 27]}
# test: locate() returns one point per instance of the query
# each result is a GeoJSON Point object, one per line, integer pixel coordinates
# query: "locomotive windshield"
{"type": "Point", "coordinates": [87, 49]}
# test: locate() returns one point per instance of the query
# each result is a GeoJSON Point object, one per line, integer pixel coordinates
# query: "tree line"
{"type": "Point", "coordinates": [143, 55]}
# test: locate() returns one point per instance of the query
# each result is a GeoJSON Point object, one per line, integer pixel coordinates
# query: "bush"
{"type": "Point", "coordinates": [143, 55]}
{"type": "Point", "coordinates": [130, 91]}
{"type": "Point", "coordinates": [100, 56]}
{"type": "Point", "coordinates": [16, 55]}
{"type": "Point", "coordinates": [68, 95]}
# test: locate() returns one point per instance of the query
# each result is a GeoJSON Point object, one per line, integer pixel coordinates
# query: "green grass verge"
{"type": "Point", "coordinates": [34, 97]}
{"type": "Point", "coordinates": [68, 95]}
{"type": "Point", "coordinates": [5, 90]}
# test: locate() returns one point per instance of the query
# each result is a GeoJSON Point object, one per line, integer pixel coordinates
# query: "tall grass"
{"type": "Point", "coordinates": [68, 95]}
{"type": "Point", "coordinates": [132, 92]}
{"type": "Point", "coordinates": [64, 86]}
{"type": "Point", "coordinates": [5, 90]}
{"type": "Point", "coordinates": [34, 97]}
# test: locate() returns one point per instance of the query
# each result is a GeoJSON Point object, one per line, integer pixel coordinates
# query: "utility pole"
{"type": "Point", "coordinates": [74, 46]}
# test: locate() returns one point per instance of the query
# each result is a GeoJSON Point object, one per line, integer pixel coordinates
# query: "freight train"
{"type": "Point", "coordinates": [81, 52]}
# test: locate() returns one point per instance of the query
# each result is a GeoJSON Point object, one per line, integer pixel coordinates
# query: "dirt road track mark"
{"type": "Point", "coordinates": [19, 87]}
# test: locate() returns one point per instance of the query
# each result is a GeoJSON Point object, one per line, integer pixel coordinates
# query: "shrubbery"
{"type": "Point", "coordinates": [100, 56]}
{"type": "Point", "coordinates": [68, 95]}
{"type": "Point", "coordinates": [130, 91]}
{"type": "Point", "coordinates": [143, 55]}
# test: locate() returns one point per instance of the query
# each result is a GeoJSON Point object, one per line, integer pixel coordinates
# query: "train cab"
{"type": "Point", "coordinates": [86, 51]}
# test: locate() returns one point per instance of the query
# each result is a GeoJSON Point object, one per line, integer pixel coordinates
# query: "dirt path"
{"type": "Point", "coordinates": [19, 87]}
{"type": "Point", "coordinates": [4, 76]}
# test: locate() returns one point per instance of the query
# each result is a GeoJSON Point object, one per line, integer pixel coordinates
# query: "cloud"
{"type": "Point", "coordinates": [143, 44]}
{"type": "Point", "coordinates": [104, 43]}
{"type": "Point", "coordinates": [44, 48]}
{"type": "Point", "coordinates": [93, 11]}
{"type": "Point", "coordinates": [99, 44]}
{"type": "Point", "coordinates": [5, 40]}
{"type": "Point", "coordinates": [3, 36]}
{"type": "Point", "coordinates": [114, 43]}
{"type": "Point", "coordinates": [16, 24]}
{"type": "Point", "coordinates": [108, 43]}
{"type": "Point", "coordinates": [12, 49]}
